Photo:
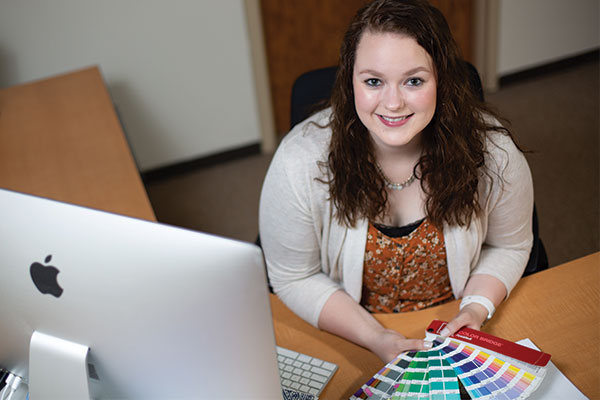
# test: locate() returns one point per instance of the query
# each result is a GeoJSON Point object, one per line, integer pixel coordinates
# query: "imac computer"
{"type": "Point", "coordinates": [102, 306]}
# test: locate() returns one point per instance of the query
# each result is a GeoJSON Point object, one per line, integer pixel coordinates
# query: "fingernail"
{"type": "Point", "coordinates": [427, 344]}
{"type": "Point", "coordinates": [445, 332]}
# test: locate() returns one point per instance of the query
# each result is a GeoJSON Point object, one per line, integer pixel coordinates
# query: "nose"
{"type": "Point", "coordinates": [394, 99]}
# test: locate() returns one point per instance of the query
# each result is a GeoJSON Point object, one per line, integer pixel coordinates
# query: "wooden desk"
{"type": "Point", "coordinates": [60, 138]}
{"type": "Point", "coordinates": [557, 309]}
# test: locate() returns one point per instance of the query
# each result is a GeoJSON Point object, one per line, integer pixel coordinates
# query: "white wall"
{"type": "Point", "coordinates": [179, 71]}
{"type": "Point", "coordinates": [535, 32]}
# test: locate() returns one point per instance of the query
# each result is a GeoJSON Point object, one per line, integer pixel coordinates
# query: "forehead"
{"type": "Point", "coordinates": [387, 50]}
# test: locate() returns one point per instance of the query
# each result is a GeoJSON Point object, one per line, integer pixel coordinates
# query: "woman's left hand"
{"type": "Point", "coordinates": [471, 316]}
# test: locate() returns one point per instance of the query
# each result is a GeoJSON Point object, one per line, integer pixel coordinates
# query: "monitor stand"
{"type": "Point", "coordinates": [57, 368]}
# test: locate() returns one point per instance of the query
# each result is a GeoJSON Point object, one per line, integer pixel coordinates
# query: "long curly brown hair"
{"type": "Point", "coordinates": [453, 143]}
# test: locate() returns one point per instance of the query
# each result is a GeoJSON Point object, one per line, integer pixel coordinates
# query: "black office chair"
{"type": "Point", "coordinates": [310, 90]}
{"type": "Point", "coordinates": [313, 88]}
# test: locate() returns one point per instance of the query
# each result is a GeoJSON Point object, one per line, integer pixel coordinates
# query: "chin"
{"type": "Point", "coordinates": [394, 139]}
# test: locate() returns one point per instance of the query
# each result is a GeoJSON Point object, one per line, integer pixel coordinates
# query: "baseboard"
{"type": "Point", "coordinates": [172, 170]}
{"type": "Point", "coordinates": [593, 55]}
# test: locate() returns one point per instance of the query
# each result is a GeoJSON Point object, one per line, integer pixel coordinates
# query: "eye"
{"type": "Point", "coordinates": [372, 82]}
{"type": "Point", "coordinates": [414, 82]}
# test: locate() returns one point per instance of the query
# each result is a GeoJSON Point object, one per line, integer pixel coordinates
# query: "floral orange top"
{"type": "Point", "coordinates": [405, 273]}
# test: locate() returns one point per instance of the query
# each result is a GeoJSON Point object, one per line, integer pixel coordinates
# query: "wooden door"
{"type": "Point", "coordinates": [306, 34]}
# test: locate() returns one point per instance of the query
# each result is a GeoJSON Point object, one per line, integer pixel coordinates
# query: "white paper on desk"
{"type": "Point", "coordinates": [555, 384]}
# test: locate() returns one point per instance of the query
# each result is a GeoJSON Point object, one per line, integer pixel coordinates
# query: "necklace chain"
{"type": "Point", "coordinates": [395, 186]}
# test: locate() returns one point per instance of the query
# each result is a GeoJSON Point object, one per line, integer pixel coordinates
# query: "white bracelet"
{"type": "Point", "coordinates": [484, 301]}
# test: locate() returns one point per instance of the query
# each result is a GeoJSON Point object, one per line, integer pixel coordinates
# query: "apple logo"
{"type": "Point", "coordinates": [45, 278]}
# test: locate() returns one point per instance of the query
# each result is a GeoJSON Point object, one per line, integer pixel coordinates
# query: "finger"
{"type": "Point", "coordinates": [458, 322]}
{"type": "Point", "coordinates": [416, 344]}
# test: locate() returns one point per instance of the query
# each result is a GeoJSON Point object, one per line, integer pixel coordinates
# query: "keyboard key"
{"type": "Point", "coordinates": [304, 358]}
{"type": "Point", "coordinates": [316, 362]}
{"type": "Point", "coordinates": [321, 371]}
{"type": "Point", "coordinates": [320, 378]}
{"type": "Point", "coordinates": [287, 352]}
{"type": "Point", "coordinates": [316, 385]}
{"type": "Point", "coordinates": [329, 366]}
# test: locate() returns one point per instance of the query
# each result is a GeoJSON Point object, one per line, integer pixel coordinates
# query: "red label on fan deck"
{"type": "Point", "coordinates": [493, 343]}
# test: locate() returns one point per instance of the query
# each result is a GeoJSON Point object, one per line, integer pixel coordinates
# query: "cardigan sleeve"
{"type": "Point", "coordinates": [290, 227]}
{"type": "Point", "coordinates": [509, 238]}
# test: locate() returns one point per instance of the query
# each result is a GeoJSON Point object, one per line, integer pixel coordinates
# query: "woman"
{"type": "Point", "coordinates": [404, 194]}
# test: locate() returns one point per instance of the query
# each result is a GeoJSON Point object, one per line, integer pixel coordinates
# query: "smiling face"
{"type": "Point", "coordinates": [394, 86]}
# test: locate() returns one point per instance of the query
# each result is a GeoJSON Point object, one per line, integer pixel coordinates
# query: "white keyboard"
{"type": "Point", "coordinates": [303, 373]}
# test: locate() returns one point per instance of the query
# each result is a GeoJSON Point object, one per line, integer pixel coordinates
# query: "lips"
{"type": "Point", "coordinates": [394, 121]}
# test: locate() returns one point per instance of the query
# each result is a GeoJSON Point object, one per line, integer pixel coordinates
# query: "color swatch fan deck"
{"type": "Point", "coordinates": [486, 366]}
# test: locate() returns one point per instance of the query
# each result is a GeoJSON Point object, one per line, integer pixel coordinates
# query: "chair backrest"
{"type": "Point", "coordinates": [309, 90]}
{"type": "Point", "coordinates": [314, 87]}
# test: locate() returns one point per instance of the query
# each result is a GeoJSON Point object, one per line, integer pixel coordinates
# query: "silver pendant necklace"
{"type": "Point", "coordinates": [395, 186]}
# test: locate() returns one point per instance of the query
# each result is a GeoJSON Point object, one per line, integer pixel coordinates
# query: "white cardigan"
{"type": "Point", "coordinates": [310, 255]}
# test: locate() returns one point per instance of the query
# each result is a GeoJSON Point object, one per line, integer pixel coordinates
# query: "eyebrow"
{"type": "Point", "coordinates": [406, 73]}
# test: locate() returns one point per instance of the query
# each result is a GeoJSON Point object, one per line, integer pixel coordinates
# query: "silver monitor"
{"type": "Point", "coordinates": [112, 307]}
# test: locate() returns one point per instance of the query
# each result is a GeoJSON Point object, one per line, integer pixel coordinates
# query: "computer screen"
{"type": "Point", "coordinates": [159, 312]}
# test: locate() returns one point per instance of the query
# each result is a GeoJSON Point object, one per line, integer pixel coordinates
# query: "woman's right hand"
{"type": "Point", "coordinates": [387, 344]}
